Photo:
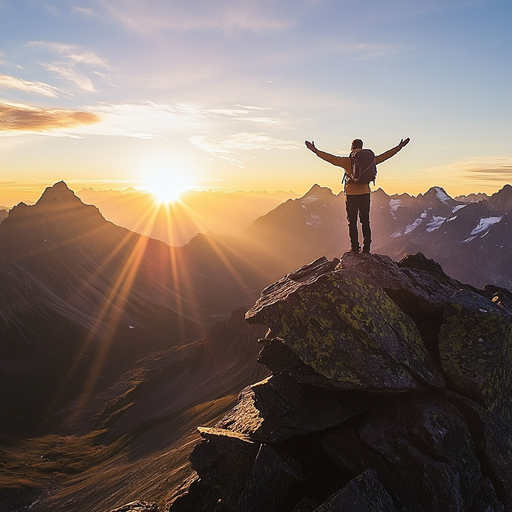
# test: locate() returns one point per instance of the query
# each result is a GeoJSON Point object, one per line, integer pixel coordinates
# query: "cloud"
{"type": "Point", "coordinates": [41, 88]}
{"type": "Point", "coordinates": [71, 63]}
{"type": "Point", "coordinates": [72, 53]}
{"type": "Point", "coordinates": [69, 74]}
{"type": "Point", "coordinates": [489, 169]}
{"type": "Point", "coordinates": [159, 120]}
{"type": "Point", "coordinates": [194, 15]}
{"type": "Point", "coordinates": [234, 144]}
{"type": "Point", "coordinates": [32, 119]}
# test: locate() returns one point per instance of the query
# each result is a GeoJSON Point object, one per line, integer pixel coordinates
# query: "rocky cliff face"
{"type": "Point", "coordinates": [389, 391]}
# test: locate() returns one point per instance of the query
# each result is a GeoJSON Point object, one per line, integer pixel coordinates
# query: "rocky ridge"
{"type": "Point", "coordinates": [389, 391]}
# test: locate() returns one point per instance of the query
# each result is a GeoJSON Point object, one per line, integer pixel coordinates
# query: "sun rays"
{"type": "Point", "coordinates": [140, 271]}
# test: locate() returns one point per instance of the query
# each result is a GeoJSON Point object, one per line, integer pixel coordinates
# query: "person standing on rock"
{"type": "Point", "coordinates": [357, 189]}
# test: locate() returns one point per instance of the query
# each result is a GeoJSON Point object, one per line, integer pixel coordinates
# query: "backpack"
{"type": "Point", "coordinates": [364, 169]}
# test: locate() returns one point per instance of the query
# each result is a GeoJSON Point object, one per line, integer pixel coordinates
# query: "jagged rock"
{"type": "Point", "coordinates": [223, 462]}
{"type": "Point", "coordinates": [475, 347]}
{"type": "Point", "coordinates": [486, 499]}
{"type": "Point", "coordinates": [269, 482]}
{"type": "Point", "coordinates": [348, 330]}
{"type": "Point", "coordinates": [422, 450]}
{"type": "Point", "coordinates": [416, 284]}
{"type": "Point", "coordinates": [278, 357]}
{"type": "Point", "coordinates": [362, 494]}
{"type": "Point", "coordinates": [137, 506]}
{"type": "Point", "coordinates": [279, 407]}
{"type": "Point", "coordinates": [492, 433]}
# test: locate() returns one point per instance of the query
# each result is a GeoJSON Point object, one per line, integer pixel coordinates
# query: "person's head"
{"type": "Point", "coordinates": [357, 144]}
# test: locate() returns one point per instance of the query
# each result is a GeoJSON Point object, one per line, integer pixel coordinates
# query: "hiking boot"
{"type": "Point", "coordinates": [366, 250]}
{"type": "Point", "coordinates": [354, 250]}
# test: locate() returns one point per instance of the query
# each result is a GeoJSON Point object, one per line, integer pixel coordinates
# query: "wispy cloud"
{"type": "Point", "coordinates": [159, 120]}
{"type": "Point", "coordinates": [491, 168]}
{"type": "Point", "coordinates": [40, 88]}
{"type": "Point", "coordinates": [71, 75]}
{"type": "Point", "coordinates": [73, 64]}
{"type": "Point", "coordinates": [72, 53]}
{"type": "Point", "coordinates": [147, 120]}
{"type": "Point", "coordinates": [25, 118]}
{"type": "Point", "coordinates": [233, 145]}
{"type": "Point", "coordinates": [226, 15]}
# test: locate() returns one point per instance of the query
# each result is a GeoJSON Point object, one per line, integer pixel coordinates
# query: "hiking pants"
{"type": "Point", "coordinates": [359, 205]}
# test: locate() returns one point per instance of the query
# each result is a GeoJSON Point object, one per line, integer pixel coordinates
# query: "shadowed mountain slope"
{"type": "Point", "coordinates": [82, 298]}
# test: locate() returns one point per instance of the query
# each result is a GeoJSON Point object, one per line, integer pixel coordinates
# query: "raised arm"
{"type": "Point", "coordinates": [340, 161]}
{"type": "Point", "coordinates": [391, 152]}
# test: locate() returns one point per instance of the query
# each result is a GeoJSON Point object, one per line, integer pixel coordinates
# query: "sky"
{"type": "Point", "coordinates": [221, 94]}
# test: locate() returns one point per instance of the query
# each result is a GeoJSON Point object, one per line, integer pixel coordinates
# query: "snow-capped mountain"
{"type": "Point", "coordinates": [471, 240]}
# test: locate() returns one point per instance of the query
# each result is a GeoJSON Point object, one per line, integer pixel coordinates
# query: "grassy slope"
{"type": "Point", "coordinates": [79, 473]}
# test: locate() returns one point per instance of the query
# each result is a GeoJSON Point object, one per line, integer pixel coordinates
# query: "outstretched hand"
{"type": "Point", "coordinates": [404, 142]}
{"type": "Point", "coordinates": [310, 145]}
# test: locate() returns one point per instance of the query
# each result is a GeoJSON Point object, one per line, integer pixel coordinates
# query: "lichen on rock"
{"type": "Point", "coordinates": [347, 329]}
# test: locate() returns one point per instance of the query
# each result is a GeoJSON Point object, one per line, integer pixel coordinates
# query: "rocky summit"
{"type": "Point", "coordinates": [389, 390]}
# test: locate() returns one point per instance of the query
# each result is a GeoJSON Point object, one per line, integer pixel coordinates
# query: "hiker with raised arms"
{"type": "Point", "coordinates": [360, 169]}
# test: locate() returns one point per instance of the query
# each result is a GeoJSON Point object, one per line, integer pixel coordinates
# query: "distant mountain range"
{"type": "Point", "coordinates": [196, 211]}
{"type": "Point", "coordinates": [471, 240]}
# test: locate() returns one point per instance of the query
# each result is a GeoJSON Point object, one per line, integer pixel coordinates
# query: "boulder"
{"type": "Point", "coordinates": [475, 348]}
{"type": "Point", "coordinates": [492, 434]}
{"type": "Point", "coordinates": [277, 356]}
{"type": "Point", "coordinates": [415, 283]}
{"type": "Point", "coordinates": [279, 407]}
{"type": "Point", "coordinates": [269, 482]}
{"type": "Point", "coordinates": [362, 494]}
{"type": "Point", "coordinates": [223, 460]}
{"type": "Point", "coordinates": [347, 329]}
{"type": "Point", "coordinates": [422, 450]}
{"type": "Point", "coordinates": [418, 285]}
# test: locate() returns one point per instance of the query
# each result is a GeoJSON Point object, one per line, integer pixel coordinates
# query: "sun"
{"type": "Point", "coordinates": [166, 185]}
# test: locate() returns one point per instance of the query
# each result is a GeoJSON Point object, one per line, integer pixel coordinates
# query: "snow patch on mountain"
{"type": "Point", "coordinates": [435, 223]}
{"type": "Point", "coordinates": [411, 227]}
{"type": "Point", "coordinates": [442, 195]}
{"type": "Point", "coordinates": [309, 199]}
{"type": "Point", "coordinates": [458, 207]}
{"type": "Point", "coordinates": [393, 205]}
{"type": "Point", "coordinates": [314, 220]}
{"type": "Point", "coordinates": [485, 224]}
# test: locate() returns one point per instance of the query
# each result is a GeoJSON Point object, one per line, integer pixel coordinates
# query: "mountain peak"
{"type": "Point", "coordinates": [440, 194]}
{"type": "Point", "coordinates": [502, 200]}
{"type": "Point", "coordinates": [58, 193]}
{"type": "Point", "coordinates": [317, 190]}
